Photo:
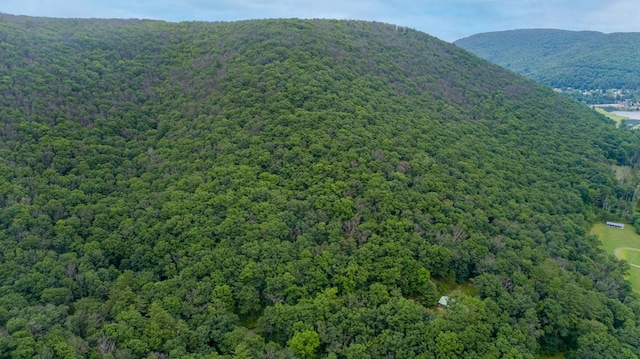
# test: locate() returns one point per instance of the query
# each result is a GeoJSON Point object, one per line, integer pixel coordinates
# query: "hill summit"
{"type": "Point", "coordinates": [297, 188]}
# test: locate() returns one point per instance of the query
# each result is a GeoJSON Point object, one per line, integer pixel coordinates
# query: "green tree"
{"type": "Point", "coordinates": [304, 343]}
{"type": "Point", "coordinates": [448, 346]}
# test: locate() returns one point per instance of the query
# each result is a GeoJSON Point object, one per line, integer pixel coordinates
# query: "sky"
{"type": "Point", "coordinates": [448, 20]}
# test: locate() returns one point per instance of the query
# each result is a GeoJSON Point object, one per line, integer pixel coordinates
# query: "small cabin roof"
{"type": "Point", "coordinates": [444, 301]}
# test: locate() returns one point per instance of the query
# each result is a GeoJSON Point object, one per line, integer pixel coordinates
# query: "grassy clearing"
{"type": "Point", "coordinates": [612, 238]}
{"type": "Point", "coordinates": [616, 118]}
{"type": "Point", "coordinates": [448, 286]}
{"type": "Point", "coordinates": [557, 356]}
{"type": "Point", "coordinates": [631, 256]}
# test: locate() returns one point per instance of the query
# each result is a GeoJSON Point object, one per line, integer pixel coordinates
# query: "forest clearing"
{"type": "Point", "coordinates": [617, 118]}
{"type": "Point", "coordinates": [624, 244]}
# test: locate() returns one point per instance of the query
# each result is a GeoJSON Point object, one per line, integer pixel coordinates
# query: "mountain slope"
{"type": "Point", "coordinates": [290, 188]}
{"type": "Point", "coordinates": [560, 58]}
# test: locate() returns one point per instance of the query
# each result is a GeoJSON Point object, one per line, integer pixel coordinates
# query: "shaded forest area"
{"type": "Point", "coordinates": [289, 188]}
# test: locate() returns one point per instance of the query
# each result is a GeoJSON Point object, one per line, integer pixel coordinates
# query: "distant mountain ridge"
{"type": "Point", "coordinates": [561, 58]}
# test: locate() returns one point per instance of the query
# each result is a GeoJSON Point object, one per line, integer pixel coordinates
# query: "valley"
{"type": "Point", "coordinates": [589, 66]}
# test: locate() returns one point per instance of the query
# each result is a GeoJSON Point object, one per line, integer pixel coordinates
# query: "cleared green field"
{"type": "Point", "coordinates": [613, 238]}
{"type": "Point", "coordinates": [631, 256]}
{"type": "Point", "coordinates": [612, 116]}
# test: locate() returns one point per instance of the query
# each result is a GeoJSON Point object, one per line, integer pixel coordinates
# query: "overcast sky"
{"type": "Point", "coordinates": [447, 19]}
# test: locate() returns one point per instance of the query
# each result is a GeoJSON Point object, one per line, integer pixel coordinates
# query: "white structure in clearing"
{"type": "Point", "coordinates": [615, 225]}
{"type": "Point", "coordinates": [443, 302]}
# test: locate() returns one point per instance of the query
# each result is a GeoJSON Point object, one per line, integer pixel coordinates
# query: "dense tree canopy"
{"type": "Point", "coordinates": [297, 189]}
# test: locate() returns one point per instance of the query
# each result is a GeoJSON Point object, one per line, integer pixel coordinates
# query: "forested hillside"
{"type": "Point", "coordinates": [297, 189]}
{"type": "Point", "coordinates": [579, 59]}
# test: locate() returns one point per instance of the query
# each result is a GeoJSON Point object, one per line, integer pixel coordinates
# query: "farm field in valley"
{"type": "Point", "coordinates": [617, 118]}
